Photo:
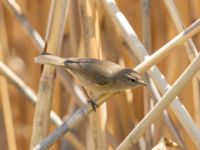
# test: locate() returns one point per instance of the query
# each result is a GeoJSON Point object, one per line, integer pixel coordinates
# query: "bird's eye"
{"type": "Point", "coordinates": [133, 79]}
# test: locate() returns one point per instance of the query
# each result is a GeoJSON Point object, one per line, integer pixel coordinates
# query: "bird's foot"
{"type": "Point", "coordinates": [93, 104]}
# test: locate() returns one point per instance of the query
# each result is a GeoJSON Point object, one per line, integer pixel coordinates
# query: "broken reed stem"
{"type": "Point", "coordinates": [70, 123]}
{"type": "Point", "coordinates": [45, 91]}
{"type": "Point", "coordinates": [157, 110]}
{"type": "Point", "coordinates": [137, 50]}
{"type": "Point", "coordinates": [166, 144]}
{"type": "Point", "coordinates": [30, 94]}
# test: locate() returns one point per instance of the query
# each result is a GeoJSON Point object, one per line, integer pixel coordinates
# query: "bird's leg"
{"type": "Point", "coordinates": [93, 104]}
{"type": "Point", "coordinates": [89, 100]}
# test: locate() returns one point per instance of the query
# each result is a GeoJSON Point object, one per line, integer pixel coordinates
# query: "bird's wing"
{"type": "Point", "coordinates": [95, 70]}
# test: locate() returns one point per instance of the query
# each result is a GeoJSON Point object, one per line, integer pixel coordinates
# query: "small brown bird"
{"type": "Point", "coordinates": [96, 76]}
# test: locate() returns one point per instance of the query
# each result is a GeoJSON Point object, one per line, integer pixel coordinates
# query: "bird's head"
{"type": "Point", "coordinates": [129, 78]}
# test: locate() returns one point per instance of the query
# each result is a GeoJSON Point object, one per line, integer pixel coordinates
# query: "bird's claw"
{"type": "Point", "coordinates": [93, 104]}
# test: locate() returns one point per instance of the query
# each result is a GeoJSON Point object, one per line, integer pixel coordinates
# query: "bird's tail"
{"type": "Point", "coordinates": [50, 59]}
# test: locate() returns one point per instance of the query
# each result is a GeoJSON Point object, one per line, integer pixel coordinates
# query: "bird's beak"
{"type": "Point", "coordinates": [142, 82]}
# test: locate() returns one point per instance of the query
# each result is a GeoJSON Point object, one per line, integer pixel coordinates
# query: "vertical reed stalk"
{"type": "Point", "coordinates": [45, 91]}
{"type": "Point", "coordinates": [5, 98]}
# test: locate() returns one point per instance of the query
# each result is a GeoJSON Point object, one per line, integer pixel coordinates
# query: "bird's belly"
{"type": "Point", "coordinates": [93, 87]}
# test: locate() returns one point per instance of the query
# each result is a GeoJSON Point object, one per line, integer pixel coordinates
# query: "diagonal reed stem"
{"type": "Point", "coordinates": [137, 50]}
{"type": "Point", "coordinates": [165, 101]}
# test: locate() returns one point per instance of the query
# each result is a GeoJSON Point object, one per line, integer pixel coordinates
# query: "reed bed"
{"type": "Point", "coordinates": [45, 108]}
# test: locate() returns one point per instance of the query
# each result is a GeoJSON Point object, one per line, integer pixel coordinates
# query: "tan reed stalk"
{"type": "Point", "coordinates": [45, 91]}
{"type": "Point", "coordinates": [5, 97]}
{"type": "Point", "coordinates": [146, 32]}
{"type": "Point", "coordinates": [95, 134]}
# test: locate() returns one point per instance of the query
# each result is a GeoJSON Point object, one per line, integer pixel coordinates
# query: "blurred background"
{"type": "Point", "coordinates": [123, 111]}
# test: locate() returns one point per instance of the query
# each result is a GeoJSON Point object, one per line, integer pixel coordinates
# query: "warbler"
{"type": "Point", "coordinates": [96, 76]}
